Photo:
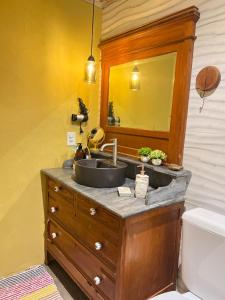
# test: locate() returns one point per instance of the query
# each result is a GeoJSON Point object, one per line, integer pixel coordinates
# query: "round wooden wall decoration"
{"type": "Point", "coordinates": [207, 81]}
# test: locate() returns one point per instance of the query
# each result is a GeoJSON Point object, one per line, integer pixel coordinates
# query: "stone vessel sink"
{"type": "Point", "coordinates": [100, 173]}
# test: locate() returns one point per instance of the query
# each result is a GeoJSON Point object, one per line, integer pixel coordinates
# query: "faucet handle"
{"type": "Point", "coordinates": [114, 140]}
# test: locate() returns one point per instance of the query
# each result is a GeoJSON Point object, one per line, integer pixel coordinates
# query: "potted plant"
{"type": "Point", "coordinates": [157, 156]}
{"type": "Point", "coordinates": [144, 153]}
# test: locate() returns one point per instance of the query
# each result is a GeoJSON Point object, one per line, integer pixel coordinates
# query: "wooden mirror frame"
{"type": "Point", "coordinates": [174, 33]}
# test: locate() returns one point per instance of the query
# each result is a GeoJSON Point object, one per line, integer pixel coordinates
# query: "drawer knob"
{"type": "Point", "coordinates": [97, 280]}
{"type": "Point", "coordinates": [53, 235]}
{"type": "Point", "coordinates": [92, 211]}
{"type": "Point", "coordinates": [53, 209]}
{"type": "Point", "coordinates": [98, 246]}
{"type": "Point", "coordinates": [56, 189]}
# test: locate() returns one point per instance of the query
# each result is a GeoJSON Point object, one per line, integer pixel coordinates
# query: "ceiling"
{"type": "Point", "coordinates": [102, 3]}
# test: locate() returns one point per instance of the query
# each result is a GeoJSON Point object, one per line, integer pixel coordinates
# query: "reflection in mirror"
{"type": "Point", "coordinates": [141, 93]}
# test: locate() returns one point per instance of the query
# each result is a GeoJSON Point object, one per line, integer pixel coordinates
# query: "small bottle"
{"type": "Point", "coordinates": [79, 153]}
{"type": "Point", "coordinates": [87, 154]}
{"type": "Point", "coordinates": [141, 183]}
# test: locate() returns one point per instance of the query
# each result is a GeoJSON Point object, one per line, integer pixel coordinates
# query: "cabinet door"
{"type": "Point", "coordinates": [150, 256]}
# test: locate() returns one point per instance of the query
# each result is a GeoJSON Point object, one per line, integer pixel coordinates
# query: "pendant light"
{"type": "Point", "coordinates": [135, 79]}
{"type": "Point", "coordinates": [90, 70]}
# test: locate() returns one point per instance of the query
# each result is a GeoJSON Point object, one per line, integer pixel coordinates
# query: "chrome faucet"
{"type": "Point", "coordinates": [114, 146]}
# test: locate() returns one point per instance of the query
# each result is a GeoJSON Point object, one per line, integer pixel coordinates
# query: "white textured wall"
{"type": "Point", "coordinates": [204, 151]}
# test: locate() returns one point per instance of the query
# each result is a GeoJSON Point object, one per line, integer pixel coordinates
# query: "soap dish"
{"type": "Point", "coordinates": [174, 167]}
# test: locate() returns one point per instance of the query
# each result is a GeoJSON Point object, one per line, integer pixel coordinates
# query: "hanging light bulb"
{"type": "Point", "coordinates": [90, 69]}
{"type": "Point", "coordinates": [135, 79]}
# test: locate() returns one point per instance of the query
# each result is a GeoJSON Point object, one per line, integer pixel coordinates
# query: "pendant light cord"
{"type": "Point", "coordinates": [92, 26]}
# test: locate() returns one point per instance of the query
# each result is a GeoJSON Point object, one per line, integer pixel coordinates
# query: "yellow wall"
{"type": "Point", "coordinates": [43, 48]}
{"type": "Point", "coordinates": [150, 106]}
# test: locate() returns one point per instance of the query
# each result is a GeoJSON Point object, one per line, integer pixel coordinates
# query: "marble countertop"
{"type": "Point", "coordinates": [123, 206]}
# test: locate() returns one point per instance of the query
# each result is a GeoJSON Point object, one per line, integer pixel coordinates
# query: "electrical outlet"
{"type": "Point", "coordinates": [71, 138]}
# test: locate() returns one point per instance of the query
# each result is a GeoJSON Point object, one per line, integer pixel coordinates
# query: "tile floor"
{"type": "Point", "coordinates": [67, 288]}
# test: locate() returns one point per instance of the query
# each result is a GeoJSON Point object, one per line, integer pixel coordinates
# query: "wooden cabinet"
{"type": "Point", "coordinates": [111, 257]}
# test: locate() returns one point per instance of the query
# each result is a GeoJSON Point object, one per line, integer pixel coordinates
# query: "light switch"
{"type": "Point", "coordinates": [71, 138]}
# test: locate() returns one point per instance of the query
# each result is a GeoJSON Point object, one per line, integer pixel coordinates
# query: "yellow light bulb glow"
{"type": "Point", "coordinates": [90, 72]}
{"type": "Point", "coordinates": [135, 79]}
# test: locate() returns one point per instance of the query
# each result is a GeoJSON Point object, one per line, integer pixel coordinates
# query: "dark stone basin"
{"type": "Point", "coordinates": [100, 173]}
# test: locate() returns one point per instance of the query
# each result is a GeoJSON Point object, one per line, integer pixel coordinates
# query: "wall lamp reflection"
{"type": "Point", "coordinates": [135, 79]}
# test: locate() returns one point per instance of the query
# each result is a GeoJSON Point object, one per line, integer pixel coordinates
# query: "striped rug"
{"type": "Point", "coordinates": [33, 284]}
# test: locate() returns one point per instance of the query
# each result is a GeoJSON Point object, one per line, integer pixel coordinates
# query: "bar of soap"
{"type": "Point", "coordinates": [124, 191]}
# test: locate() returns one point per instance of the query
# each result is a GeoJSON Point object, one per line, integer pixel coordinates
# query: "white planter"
{"type": "Point", "coordinates": [156, 161]}
{"type": "Point", "coordinates": [145, 158]}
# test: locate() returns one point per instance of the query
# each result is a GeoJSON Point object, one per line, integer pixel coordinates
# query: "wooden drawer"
{"type": "Point", "coordinates": [96, 213]}
{"type": "Point", "coordinates": [58, 189]}
{"type": "Point", "coordinates": [87, 263]}
{"type": "Point", "coordinates": [102, 227]}
{"type": "Point", "coordinates": [91, 237]}
{"type": "Point", "coordinates": [73, 211]}
{"type": "Point", "coordinates": [62, 209]}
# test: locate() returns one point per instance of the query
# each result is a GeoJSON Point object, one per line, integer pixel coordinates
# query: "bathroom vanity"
{"type": "Point", "coordinates": [119, 248]}
{"type": "Point", "coordinates": [112, 247]}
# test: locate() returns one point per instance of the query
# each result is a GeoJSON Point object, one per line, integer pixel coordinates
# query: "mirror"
{"type": "Point", "coordinates": [145, 86]}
